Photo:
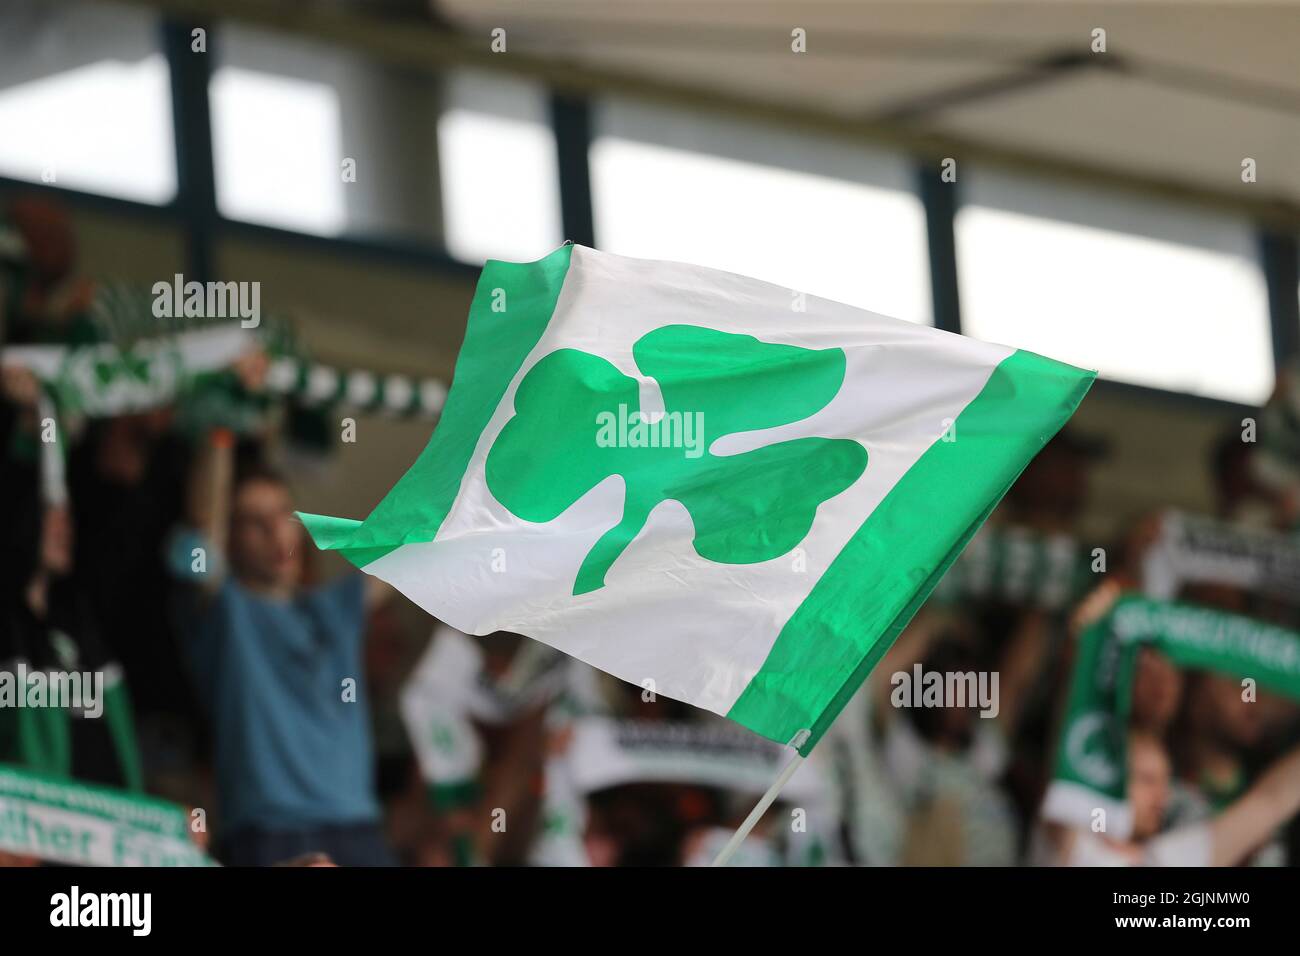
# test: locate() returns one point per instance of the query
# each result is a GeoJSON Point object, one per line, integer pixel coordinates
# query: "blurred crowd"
{"type": "Point", "coordinates": [309, 714]}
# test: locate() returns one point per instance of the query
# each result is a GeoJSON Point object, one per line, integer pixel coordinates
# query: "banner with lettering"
{"type": "Point", "coordinates": [66, 821]}
{"type": "Point", "coordinates": [1192, 549]}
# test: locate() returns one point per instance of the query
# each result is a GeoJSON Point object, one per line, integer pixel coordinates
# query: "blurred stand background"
{"type": "Point", "coordinates": [1113, 186]}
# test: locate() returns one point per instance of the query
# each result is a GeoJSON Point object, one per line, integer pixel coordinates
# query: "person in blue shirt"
{"type": "Point", "coordinates": [278, 666]}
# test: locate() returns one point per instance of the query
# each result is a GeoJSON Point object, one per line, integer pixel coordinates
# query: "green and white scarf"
{"type": "Point", "coordinates": [1090, 771]}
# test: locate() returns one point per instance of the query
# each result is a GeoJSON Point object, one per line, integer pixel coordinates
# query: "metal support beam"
{"type": "Point", "coordinates": [571, 122]}
{"type": "Point", "coordinates": [940, 201]}
{"type": "Point", "coordinates": [1280, 257]}
{"type": "Point", "coordinates": [196, 188]}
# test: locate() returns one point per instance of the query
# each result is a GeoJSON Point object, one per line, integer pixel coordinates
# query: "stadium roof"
{"type": "Point", "coordinates": [1183, 94]}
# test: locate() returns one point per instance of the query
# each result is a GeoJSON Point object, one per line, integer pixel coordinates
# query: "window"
{"type": "Point", "coordinates": [1146, 293]}
{"type": "Point", "coordinates": [500, 180]}
{"type": "Point", "coordinates": [276, 150]}
{"type": "Point", "coordinates": [821, 217]}
{"type": "Point", "coordinates": [85, 101]}
{"type": "Point", "coordinates": [318, 138]}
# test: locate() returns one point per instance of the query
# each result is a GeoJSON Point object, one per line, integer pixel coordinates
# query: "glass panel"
{"type": "Point", "coordinates": [85, 100]}
{"type": "Point", "coordinates": [1146, 293]}
{"type": "Point", "coordinates": [823, 217]}
{"type": "Point", "coordinates": [500, 181]}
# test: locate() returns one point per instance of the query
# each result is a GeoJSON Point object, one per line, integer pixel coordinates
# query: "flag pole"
{"type": "Point", "coordinates": [737, 838]}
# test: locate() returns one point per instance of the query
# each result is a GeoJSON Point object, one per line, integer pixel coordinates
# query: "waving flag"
{"type": "Point", "coordinates": [725, 491]}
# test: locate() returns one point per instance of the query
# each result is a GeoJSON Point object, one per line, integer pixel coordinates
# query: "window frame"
{"type": "Point", "coordinates": [193, 211]}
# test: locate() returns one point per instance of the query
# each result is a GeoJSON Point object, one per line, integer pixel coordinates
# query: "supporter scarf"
{"type": "Point", "coordinates": [1090, 771]}
{"type": "Point", "coordinates": [106, 379]}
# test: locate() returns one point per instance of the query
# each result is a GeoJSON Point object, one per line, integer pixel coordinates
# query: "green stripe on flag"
{"type": "Point", "coordinates": [512, 306]}
{"type": "Point", "coordinates": [836, 636]}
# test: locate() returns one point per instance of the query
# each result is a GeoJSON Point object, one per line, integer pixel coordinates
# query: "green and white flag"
{"type": "Point", "coordinates": [729, 493]}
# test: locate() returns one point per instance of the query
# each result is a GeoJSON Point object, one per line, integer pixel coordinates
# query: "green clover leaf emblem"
{"type": "Point", "coordinates": [746, 508]}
